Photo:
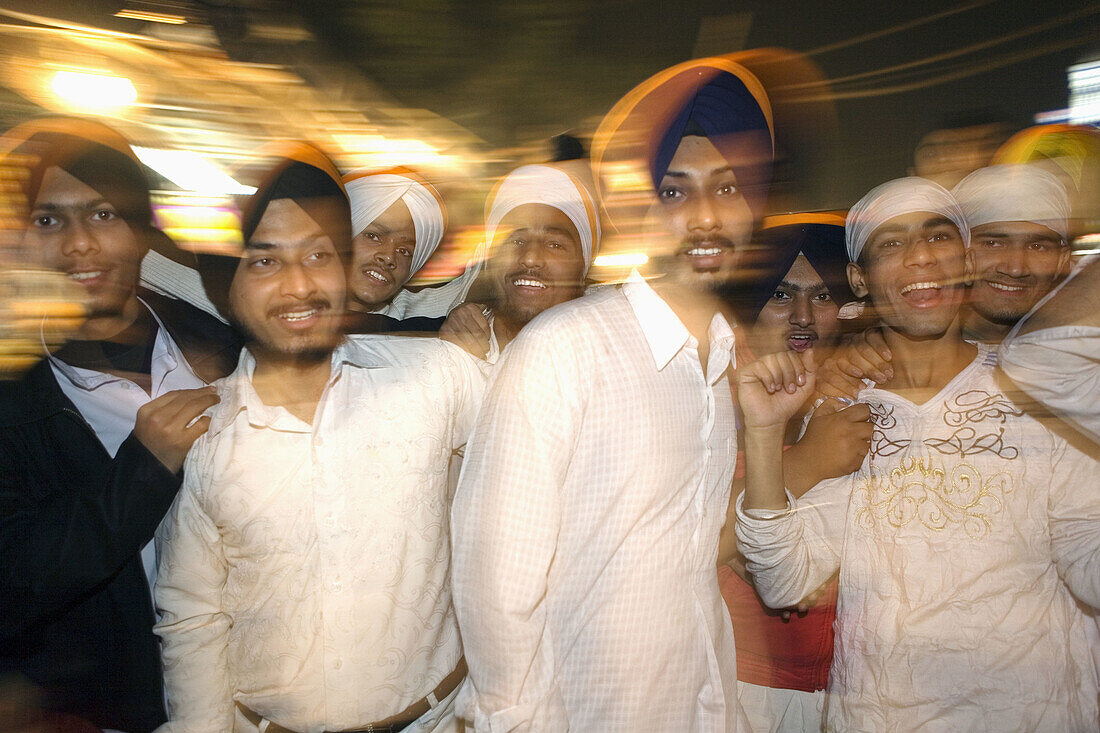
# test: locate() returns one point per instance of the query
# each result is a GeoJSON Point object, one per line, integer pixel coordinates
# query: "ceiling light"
{"type": "Point", "coordinates": [94, 91]}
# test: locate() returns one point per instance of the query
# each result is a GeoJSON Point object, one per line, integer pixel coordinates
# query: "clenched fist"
{"type": "Point", "coordinates": [167, 426]}
{"type": "Point", "coordinates": [467, 326]}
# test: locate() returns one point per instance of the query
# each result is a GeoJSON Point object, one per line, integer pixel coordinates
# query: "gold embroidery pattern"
{"type": "Point", "coordinates": [917, 490]}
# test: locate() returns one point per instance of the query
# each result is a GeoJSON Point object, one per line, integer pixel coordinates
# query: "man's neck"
{"type": "Point", "coordinates": [106, 326]}
{"type": "Point", "coordinates": [506, 328]}
{"type": "Point", "coordinates": [977, 327]}
{"type": "Point", "coordinates": [922, 367]}
{"type": "Point", "coordinates": [695, 309]}
{"type": "Point", "coordinates": [293, 382]}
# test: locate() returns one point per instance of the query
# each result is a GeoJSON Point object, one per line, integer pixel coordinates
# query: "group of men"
{"type": "Point", "coordinates": [540, 520]}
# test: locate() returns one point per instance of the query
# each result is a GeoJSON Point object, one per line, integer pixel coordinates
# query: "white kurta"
{"type": "Point", "coordinates": [304, 570]}
{"type": "Point", "coordinates": [586, 521]}
{"type": "Point", "coordinates": [961, 542]}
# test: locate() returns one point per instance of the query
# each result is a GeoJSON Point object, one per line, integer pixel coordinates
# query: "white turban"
{"type": "Point", "coordinates": [544, 184]}
{"type": "Point", "coordinates": [895, 198]}
{"type": "Point", "coordinates": [371, 194]}
{"type": "Point", "coordinates": [1014, 193]}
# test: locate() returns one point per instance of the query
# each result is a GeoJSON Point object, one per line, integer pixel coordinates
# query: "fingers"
{"type": "Point", "coordinates": [875, 339]}
{"type": "Point", "coordinates": [858, 412]}
{"type": "Point", "coordinates": [200, 426]}
{"type": "Point", "coordinates": [467, 327]}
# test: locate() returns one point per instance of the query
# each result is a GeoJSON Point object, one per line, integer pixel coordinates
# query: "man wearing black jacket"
{"type": "Point", "coordinates": [92, 439]}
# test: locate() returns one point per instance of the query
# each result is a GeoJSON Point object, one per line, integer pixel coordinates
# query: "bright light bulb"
{"type": "Point", "coordinates": [94, 91]}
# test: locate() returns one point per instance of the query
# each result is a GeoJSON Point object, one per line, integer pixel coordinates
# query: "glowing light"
{"type": "Point", "coordinates": [94, 91]}
{"type": "Point", "coordinates": [151, 17]}
{"type": "Point", "coordinates": [627, 259]}
{"type": "Point", "coordinates": [191, 172]}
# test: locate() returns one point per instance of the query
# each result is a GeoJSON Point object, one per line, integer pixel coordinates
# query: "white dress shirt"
{"type": "Point", "coordinates": [585, 526]}
{"type": "Point", "coordinates": [110, 403]}
{"type": "Point", "coordinates": [304, 569]}
{"type": "Point", "coordinates": [961, 543]}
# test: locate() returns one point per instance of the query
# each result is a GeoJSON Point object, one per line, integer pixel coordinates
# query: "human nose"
{"type": "Point", "coordinates": [1014, 262]}
{"type": "Point", "coordinates": [78, 239]}
{"type": "Point", "coordinates": [385, 255]}
{"type": "Point", "coordinates": [530, 255]}
{"type": "Point", "coordinates": [919, 253]}
{"type": "Point", "coordinates": [702, 216]}
{"type": "Point", "coordinates": [802, 313]}
{"type": "Point", "coordinates": [296, 282]}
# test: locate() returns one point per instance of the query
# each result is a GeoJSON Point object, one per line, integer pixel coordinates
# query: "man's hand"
{"type": "Point", "coordinates": [834, 444]}
{"type": "Point", "coordinates": [467, 327]}
{"type": "Point", "coordinates": [773, 389]}
{"type": "Point", "coordinates": [865, 357]}
{"type": "Point", "coordinates": [167, 426]}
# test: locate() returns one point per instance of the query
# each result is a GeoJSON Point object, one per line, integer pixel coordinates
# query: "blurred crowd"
{"type": "Point", "coordinates": [788, 470]}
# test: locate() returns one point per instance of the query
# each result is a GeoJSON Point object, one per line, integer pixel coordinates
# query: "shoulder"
{"type": "Point", "coordinates": [578, 321]}
{"type": "Point", "coordinates": [211, 347]}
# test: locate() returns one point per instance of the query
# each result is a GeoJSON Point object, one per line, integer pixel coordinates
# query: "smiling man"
{"type": "Point", "coordinates": [304, 575]}
{"type": "Point", "coordinates": [544, 230]}
{"type": "Point", "coordinates": [586, 519]}
{"type": "Point", "coordinates": [1019, 225]}
{"type": "Point", "coordinates": [969, 534]}
{"type": "Point", "coordinates": [93, 437]}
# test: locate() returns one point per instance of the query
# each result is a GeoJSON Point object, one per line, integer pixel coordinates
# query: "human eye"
{"type": "Point", "coordinates": [1041, 245]}
{"type": "Point", "coordinates": [261, 263]}
{"type": "Point", "coordinates": [670, 194]}
{"type": "Point", "coordinates": [104, 215]}
{"type": "Point", "coordinates": [319, 257]}
{"type": "Point", "coordinates": [823, 298]}
{"type": "Point", "coordinates": [727, 189]}
{"type": "Point", "coordinates": [781, 295]}
{"type": "Point", "coordinates": [405, 252]}
{"type": "Point", "coordinates": [45, 221]}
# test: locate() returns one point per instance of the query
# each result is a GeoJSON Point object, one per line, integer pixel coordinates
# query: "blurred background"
{"type": "Point", "coordinates": [464, 90]}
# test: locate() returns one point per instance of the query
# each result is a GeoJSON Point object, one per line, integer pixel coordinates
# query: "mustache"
{"type": "Point", "coordinates": [319, 304]}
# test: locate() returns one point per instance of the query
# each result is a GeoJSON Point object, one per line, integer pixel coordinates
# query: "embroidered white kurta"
{"type": "Point", "coordinates": [586, 521]}
{"type": "Point", "coordinates": [304, 570]}
{"type": "Point", "coordinates": [961, 543]}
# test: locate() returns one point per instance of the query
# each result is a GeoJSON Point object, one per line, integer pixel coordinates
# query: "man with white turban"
{"type": "Point", "coordinates": [398, 220]}
{"type": "Point", "coordinates": [543, 228]}
{"type": "Point", "coordinates": [970, 532]}
{"type": "Point", "coordinates": [1019, 223]}
{"type": "Point", "coordinates": [587, 516]}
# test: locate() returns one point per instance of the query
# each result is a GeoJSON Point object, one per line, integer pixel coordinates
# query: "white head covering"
{"type": "Point", "coordinates": [545, 184]}
{"type": "Point", "coordinates": [371, 194]}
{"type": "Point", "coordinates": [895, 198]}
{"type": "Point", "coordinates": [1014, 193]}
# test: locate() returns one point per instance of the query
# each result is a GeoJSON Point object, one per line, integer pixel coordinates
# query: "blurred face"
{"type": "Point", "coordinates": [915, 269]}
{"type": "Point", "coordinates": [74, 230]}
{"type": "Point", "coordinates": [382, 256]}
{"type": "Point", "coordinates": [288, 292]}
{"type": "Point", "coordinates": [537, 262]}
{"type": "Point", "coordinates": [702, 206]}
{"type": "Point", "coordinates": [799, 316]}
{"type": "Point", "coordinates": [1015, 263]}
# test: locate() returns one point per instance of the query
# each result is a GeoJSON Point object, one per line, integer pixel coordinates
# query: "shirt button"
{"type": "Point", "coordinates": [337, 664]}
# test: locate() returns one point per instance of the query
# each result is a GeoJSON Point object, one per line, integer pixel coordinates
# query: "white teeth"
{"type": "Point", "coordinates": [85, 275]}
{"type": "Point", "coordinates": [704, 251]}
{"type": "Point", "coordinates": [299, 316]}
{"type": "Point", "coordinates": [920, 286]}
{"type": "Point", "coordinates": [377, 276]}
{"type": "Point", "coordinates": [1005, 288]}
{"type": "Point", "coordinates": [527, 282]}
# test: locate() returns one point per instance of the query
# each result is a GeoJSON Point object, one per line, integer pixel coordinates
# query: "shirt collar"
{"type": "Point", "coordinates": [166, 357]}
{"type": "Point", "coordinates": [663, 330]}
{"type": "Point", "coordinates": [238, 395]}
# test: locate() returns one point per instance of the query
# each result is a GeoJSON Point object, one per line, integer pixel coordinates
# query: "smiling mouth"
{"type": "Point", "coordinates": [801, 342]}
{"type": "Point", "coordinates": [526, 282]}
{"type": "Point", "coordinates": [85, 275]}
{"type": "Point", "coordinates": [376, 275]}
{"type": "Point", "coordinates": [704, 252]}
{"type": "Point", "coordinates": [299, 316]}
{"type": "Point", "coordinates": [929, 285]}
{"type": "Point", "coordinates": [1005, 288]}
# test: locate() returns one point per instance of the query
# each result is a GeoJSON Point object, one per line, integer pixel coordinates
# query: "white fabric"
{"type": "Point", "coordinates": [776, 710]}
{"type": "Point", "coordinates": [961, 543]}
{"type": "Point", "coordinates": [304, 570]}
{"type": "Point", "coordinates": [585, 526]}
{"type": "Point", "coordinates": [168, 277]}
{"type": "Point", "coordinates": [110, 403]}
{"type": "Point", "coordinates": [895, 198]}
{"type": "Point", "coordinates": [371, 194]}
{"type": "Point", "coordinates": [545, 184]}
{"type": "Point", "coordinates": [1014, 193]}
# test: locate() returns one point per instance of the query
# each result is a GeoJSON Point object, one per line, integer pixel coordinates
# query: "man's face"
{"type": "Point", "coordinates": [537, 261]}
{"type": "Point", "coordinates": [74, 230]}
{"type": "Point", "coordinates": [288, 291]}
{"type": "Point", "coordinates": [915, 268]}
{"type": "Point", "coordinates": [702, 206]}
{"type": "Point", "coordinates": [1015, 263]}
{"type": "Point", "coordinates": [799, 316]}
{"type": "Point", "coordinates": [382, 256]}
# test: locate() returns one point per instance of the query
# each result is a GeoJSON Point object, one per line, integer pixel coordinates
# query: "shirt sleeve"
{"type": "Point", "coordinates": [1075, 521]}
{"type": "Point", "coordinates": [505, 522]}
{"type": "Point", "coordinates": [471, 376]}
{"type": "Point", "coordinates": [193, 626]}
{"type": "Point", "coordinates": [791, 553]}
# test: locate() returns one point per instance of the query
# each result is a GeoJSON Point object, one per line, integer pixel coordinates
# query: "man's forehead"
{"type": "Point", "coordinates": [59, 187]}
{"type": "Point", "coordinates": [536, 216]}
{"type": "Point", "coordinates": [1029, 229]}
{"type": "Point", "coordinates": [286, 223]}
{"type": "Point", "coordinates": [913, 220]}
